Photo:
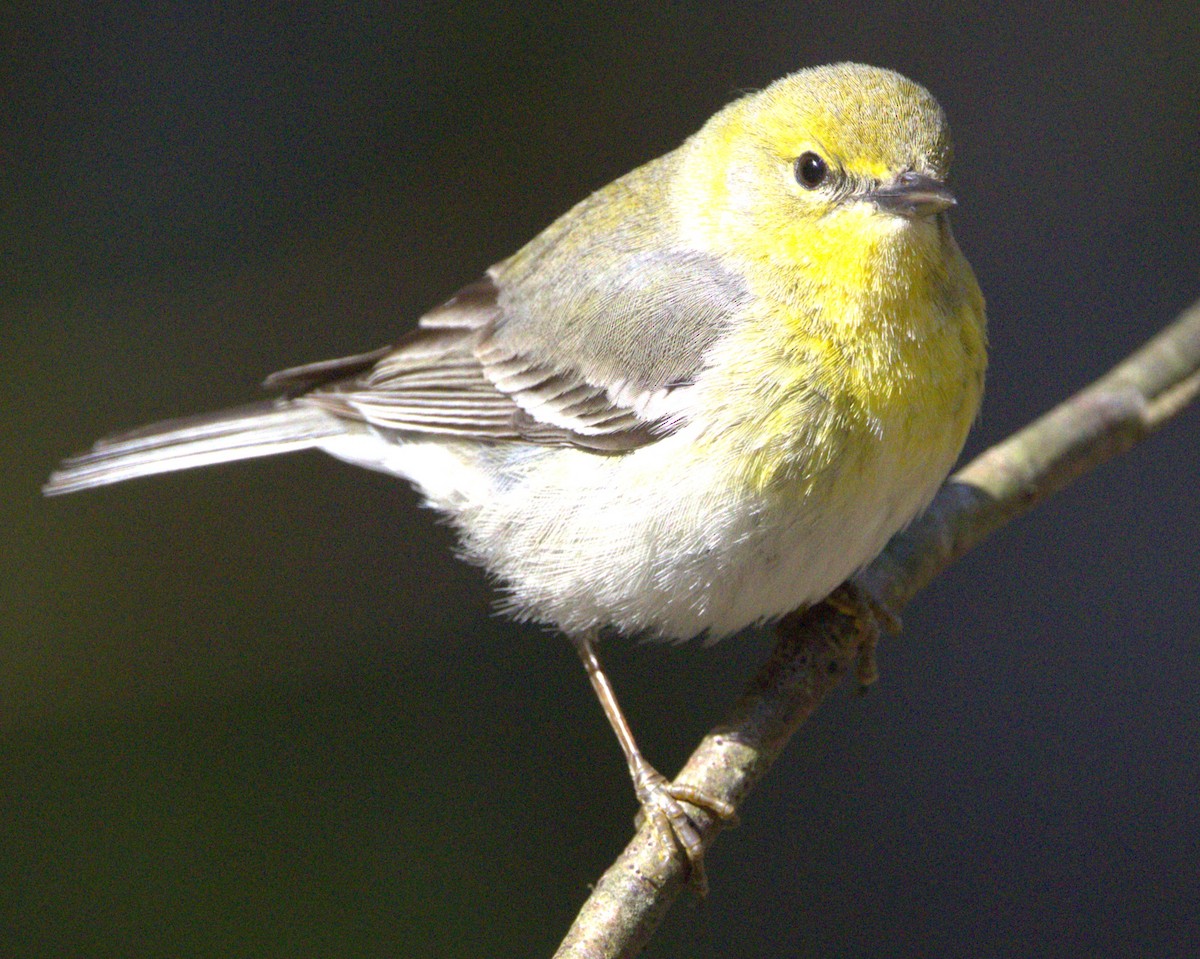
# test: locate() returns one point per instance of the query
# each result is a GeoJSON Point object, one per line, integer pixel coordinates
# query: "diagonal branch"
{"type": "Point", "coordinates": [818, 647]}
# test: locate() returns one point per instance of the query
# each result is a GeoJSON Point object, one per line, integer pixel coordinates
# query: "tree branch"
{"type": "Point", "coordinates": [818, 647]}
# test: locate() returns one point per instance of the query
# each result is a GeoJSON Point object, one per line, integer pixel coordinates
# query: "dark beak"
{"type": "Point", "coordinates": [913, 195]}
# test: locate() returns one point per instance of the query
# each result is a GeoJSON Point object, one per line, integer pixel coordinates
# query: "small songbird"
{"type": "Point", "coordinates": [700, 399]}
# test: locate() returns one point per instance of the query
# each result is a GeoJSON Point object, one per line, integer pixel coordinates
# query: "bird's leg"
{"type": "Point", "coordinates": [872, 616]}
{"type": "Point", "coordinates": [660, 799]}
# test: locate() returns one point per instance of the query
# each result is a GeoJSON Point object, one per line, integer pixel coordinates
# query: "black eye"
{"type": "Point", "coordinates": [810, 170]}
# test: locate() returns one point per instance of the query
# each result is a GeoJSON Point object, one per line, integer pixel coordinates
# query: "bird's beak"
{"type": "Point", "coordinates": [913, 195]}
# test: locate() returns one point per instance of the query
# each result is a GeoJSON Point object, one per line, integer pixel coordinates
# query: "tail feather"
{"type": "Point", "coordinates": [241, 433]}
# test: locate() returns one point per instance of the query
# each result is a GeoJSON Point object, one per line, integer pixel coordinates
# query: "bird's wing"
{"type": "Point", "coordinates": [493, 363]}
{"type": "Point", "coordinates": [453, 376]}
{"type": "Point", "coordinates": [585, 337]}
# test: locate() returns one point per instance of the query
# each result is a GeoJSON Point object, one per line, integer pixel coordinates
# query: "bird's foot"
{"type": "Point", "coordinates": [662, 801]}
{"type": "Point", "coordinates": [872, 616]}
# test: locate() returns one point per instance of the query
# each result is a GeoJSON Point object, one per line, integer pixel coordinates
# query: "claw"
{"type": "Point", "coordinates": [872, 616]}
{"type": "Point", "coordinates": [660, 800]}
{"type": "Point", "coordinates": [661, 805]}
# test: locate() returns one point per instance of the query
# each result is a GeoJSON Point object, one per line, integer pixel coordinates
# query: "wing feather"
{"type": "Point", "coordinates": [448, 377]}
{"type": "Point", "coordinates": [586, 337]}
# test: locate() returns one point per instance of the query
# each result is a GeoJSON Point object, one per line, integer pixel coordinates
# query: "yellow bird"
{"type": "Point", "coordinates": [703, 397]}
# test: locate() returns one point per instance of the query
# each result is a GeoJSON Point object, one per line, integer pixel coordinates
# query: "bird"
{"type": "Point", "coordinates": [702, 398]}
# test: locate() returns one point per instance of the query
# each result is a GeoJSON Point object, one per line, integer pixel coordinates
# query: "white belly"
{"type": "Point", "coordinates": [582, 541]}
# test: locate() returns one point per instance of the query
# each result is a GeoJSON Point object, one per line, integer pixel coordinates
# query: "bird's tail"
{"type": "Point", "coordinates": [241, 433]}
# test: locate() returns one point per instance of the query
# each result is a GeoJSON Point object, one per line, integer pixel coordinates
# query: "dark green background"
{"type": "Point", "coordinates": [260, 710]}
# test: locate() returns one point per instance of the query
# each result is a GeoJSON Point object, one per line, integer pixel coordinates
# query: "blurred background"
{"type": "Point", "coordinates": [261, 710]}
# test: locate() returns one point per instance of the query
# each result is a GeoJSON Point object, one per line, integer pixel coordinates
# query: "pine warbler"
{"type": "Point", "coordinates": [702, 398]}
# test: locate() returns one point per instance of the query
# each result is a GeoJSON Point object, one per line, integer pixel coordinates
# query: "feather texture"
{"type": "Point", "coordinates": [261, 429]}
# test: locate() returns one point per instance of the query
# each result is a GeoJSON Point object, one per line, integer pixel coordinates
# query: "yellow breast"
{"type": "Point", "coordinates": [854, 365]}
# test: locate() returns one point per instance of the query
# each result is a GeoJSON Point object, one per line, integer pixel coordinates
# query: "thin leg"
{"type": "Point", "coordinates": [660, 799]}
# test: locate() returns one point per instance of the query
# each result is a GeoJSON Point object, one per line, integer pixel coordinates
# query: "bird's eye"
{"type": "Point", "coordinates": [810, 171]}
